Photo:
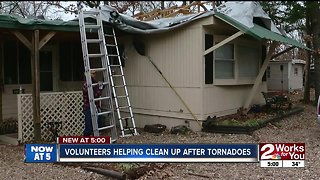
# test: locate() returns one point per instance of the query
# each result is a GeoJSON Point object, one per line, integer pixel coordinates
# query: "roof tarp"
{"type": "Point", "coordinates": [16, 22]}
{"type": "Point", "coordinates": [239, 14]}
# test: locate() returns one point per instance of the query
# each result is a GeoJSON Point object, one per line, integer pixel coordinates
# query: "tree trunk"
{"type": "Point", "coordinates": [315, 24]}
{"type": "Point", "coordinates": [306, 95]}
{"type": "Point", "coordinates": [162, 5]}
{"type": "Point", "coordinates": [184, 3]}
{"type": "Point", "coordinates": [1, 85]}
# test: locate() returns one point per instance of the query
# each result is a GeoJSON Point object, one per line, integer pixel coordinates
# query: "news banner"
{"type": "Point", "coordinates": [99, 149]}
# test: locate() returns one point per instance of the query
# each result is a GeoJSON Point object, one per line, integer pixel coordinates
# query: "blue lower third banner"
{"type": "Point", "coordinates": [157, 153]}
{"type": "Point", "coordinates": [45, 153]}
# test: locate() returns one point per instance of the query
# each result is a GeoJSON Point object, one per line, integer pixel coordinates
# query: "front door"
{"type": "Point", "coordinates": [46, 72]}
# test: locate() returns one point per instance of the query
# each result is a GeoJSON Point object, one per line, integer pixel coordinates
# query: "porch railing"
{"type": "Point", "coordinates": [64, 107]}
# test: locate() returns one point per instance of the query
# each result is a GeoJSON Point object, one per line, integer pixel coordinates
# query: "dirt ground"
{"type": "Point", "coordinates": [301, 128]}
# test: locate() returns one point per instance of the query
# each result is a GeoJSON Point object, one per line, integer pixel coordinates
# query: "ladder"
{"type": "Point", "coordinates": [110, 65]}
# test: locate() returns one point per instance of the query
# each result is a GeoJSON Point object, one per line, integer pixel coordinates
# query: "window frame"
{"type": "Point", "coordinates": [236, 80]}
{"type": "Point", "coordinates": [19, 63]}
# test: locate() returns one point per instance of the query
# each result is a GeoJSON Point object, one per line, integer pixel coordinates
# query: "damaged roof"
{"type": "Point", "coordinates": [239, 14]}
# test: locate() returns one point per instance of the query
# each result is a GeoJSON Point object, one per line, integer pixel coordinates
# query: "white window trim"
{"type": "Point", "coordinates": [236, 79]}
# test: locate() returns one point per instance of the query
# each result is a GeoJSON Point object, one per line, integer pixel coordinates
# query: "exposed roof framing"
{"type": "Point", "coordinates": [194, 7]}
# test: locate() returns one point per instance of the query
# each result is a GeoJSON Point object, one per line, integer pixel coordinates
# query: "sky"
{"type": "Point", "coordinates": [55, 13]}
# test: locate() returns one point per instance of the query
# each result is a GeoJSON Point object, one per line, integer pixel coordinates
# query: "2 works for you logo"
{"type": "Point", "coordinates": [282, 151]}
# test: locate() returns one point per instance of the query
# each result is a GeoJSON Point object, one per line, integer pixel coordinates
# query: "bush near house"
{"type": "Point", "coordinates": [8, 127]}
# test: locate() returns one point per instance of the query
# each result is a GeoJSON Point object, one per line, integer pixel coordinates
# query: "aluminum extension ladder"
{"type": "Point", "coordinates": [110, 66]}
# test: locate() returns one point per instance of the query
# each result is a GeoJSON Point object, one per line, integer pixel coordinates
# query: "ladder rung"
{"type": "Point", "coordinates": [114, 65]}
{"type": "Point", "coordinates": [101, 98]}
{"type": "Point", "coordinates": [129, 129]}
{"type": "Point", "coordinates": [98, 69]}
{"type": "Point", "coordinates": [123, 118]}
{"type": "Point", "coordinates": [113, 55]}
{"type": "Point", "coordinates": [123, 107]}
{"type": "Point", "coordinates": [127, 135]}
{"type": "Point", "coordinates": [92, 26]}
{"type": "Point", "coordinates": [121, 96]}
{"type": "Point", "coordinates": [109, 35]}
{"type": "Point", "coordinates": [119, 86]}
{"type": "Point", "coordinates": [113, 140]}
{"type": "Point", "coordinates": [95, 55]}
{"type": "Point", "coordinates": [94, 40]}
{"type": "Point", "coordinates": [111, 45]}
{"type": "Point", "coordinates": [117, 75]}
{"type": "Point", "coordinates": [105, 112]}
{"type": "Point", "coordinates": [96, 84]}
{"type": "Point", "coordinates": [106, 127]}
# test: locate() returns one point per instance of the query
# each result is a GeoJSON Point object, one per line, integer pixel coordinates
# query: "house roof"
{"type": "Point", "coordinates": [16, 22]}
{"type": "Point", "coordinates": [236, 13]}
{"type": "Point", "coordinates": [240, 15]}
{"type": "Point", "coordinates": [260, 32]}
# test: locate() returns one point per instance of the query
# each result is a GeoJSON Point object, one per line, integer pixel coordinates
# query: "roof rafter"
{"type": "Point", "coordinates": [175, 11]}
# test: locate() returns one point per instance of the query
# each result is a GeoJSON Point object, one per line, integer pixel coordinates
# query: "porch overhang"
{"type": "Point", "coordinates": [259, 32]}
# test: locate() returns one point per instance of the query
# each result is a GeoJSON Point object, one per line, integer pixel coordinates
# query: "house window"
{"type": "Point", "coordinates": [17, 63]}
{"type": "Point", "coordinates": [296, 71]}
{"type": "Point", "coordinates": [249, 58]}
{"type": "Point", "coordinates": [10, 62]}
{"type": "Point", "coordinates": [71, 62]}
{"type": "Point", "coordinates": [224, 62]}
{"type": "Point", "coordinates": [24, 64]}
{"type": "Point", "coordinates": [208, 59]}
{"type": "Point", "coordinates": [268, 72]}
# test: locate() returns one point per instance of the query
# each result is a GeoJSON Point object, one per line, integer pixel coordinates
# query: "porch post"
{"type": "Point", "coordinates": [35, 47]}
{"type": "Point", "coordinates": [36, 85]}
{"type": "Point", "coordinates": [258, 80]}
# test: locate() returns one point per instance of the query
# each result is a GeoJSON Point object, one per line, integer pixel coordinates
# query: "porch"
{"type": "Point", "coordinates": [60, 109]}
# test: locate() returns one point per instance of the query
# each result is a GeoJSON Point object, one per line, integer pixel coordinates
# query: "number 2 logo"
{"type": "Point", "coordinates": [267, 154]}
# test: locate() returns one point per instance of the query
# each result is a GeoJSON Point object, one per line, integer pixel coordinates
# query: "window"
{"type": "Point", "coordinates": [296, 71]}
{"type": "Point", "coordinates": [10, 62]}
{"type": "Point", "coordinates": [208, 59]}
{"type": "Point", "coordinates": [71, 62]}
{"type": "Point", "coordinates": [248, 57]}
{"type": "Point", "coordinates": [25, 62]}
{"type": "Point", "coordinates": [17, 63]}
{"type": "Point", "coordinates": [224, 62]}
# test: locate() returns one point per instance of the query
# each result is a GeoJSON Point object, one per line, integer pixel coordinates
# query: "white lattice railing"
{"type": "Point", "coordinates": [65, 107]}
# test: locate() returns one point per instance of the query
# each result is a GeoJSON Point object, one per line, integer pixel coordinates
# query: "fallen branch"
{"type": "Point", "coordinates": [201, 175]}
{"type": "Point", "coordinates": [106, 172]}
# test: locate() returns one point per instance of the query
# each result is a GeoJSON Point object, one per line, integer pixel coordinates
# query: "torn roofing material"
{"type": "Point", "coordinates": [238, 14]}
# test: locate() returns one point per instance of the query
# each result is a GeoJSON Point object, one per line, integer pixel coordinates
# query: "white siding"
{"type": "Point", "coordinates": [276, 76]}
{"type": "Point", "coordinates": [296, 80]}
{"type": "Point", "coordinates": [223, 100]}
{"type": "Point", "coordinates": [178, 55]}
{"type": "Point", "coordinates": [9, 100]}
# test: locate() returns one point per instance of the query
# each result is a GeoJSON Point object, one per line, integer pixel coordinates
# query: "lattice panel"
{"type": "Point", "coordinates": [54, 107]}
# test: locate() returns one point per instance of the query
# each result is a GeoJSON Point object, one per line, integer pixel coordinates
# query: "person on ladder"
{"type": "Point", "coordinates": [97, 90]}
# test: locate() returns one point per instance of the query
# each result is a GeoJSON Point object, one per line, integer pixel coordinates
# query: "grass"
{"type": "Point", "coordinates": [233, 122]}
